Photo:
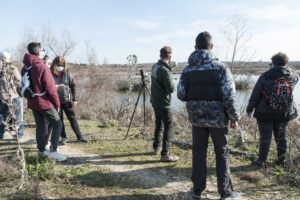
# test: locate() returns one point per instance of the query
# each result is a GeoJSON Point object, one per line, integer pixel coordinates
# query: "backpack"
{"type": "Point", "coordinates": [281, 95]}
{"type": "Point", "coordinates": [26, 84]}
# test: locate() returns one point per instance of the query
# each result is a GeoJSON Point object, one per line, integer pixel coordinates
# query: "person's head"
{"type": "Point", "coordinates": [5, 57]}
{"type": "Point", "coordinates": [280, 59]}
{"type": "Point", "coordinates": [204, 41]}
{"type": "Point", "coordinates": [166, 53]}
{"type": "Point", "coordinates": [36, 49]}
{"type": "Point", "coordinates": [58, 65]}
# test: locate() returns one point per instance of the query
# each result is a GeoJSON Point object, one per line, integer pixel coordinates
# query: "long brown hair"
{"type": "Point", "coordinates": [58, 61]}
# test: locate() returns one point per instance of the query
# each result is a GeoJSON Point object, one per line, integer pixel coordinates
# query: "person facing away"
{"type": "Point", "coordinates": [161, 88]}
{"type": "Point", "coordinates": [13, 91]}
{"type": "Point", "coordinates": [45, 103]}
{"type": "Point", "coordinates": [208, 88]}
{"type": "Point", "coordinates": [66, 89]}
{"type": "Point", "coordinates": [272, 100]}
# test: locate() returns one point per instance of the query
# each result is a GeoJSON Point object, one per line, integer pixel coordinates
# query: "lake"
{"type": "Point", "coordinates": [242, 95]}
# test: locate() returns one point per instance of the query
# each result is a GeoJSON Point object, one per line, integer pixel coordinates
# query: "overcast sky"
{"type": "Point", "coordinates": [117, 28]}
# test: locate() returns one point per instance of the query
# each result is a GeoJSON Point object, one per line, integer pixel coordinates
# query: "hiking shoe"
{"type": "Point", "coordinates": [157, 150]}
{"type": "Point", "coordinates": [82, 140]}
{"type": "Point", "coordinates": [195, 193]}
{"type": "Point", "coordinates": [233, 195]}
{"type": "Point", "coordinates": [47, 147]}
{"type": "Point", "coordinates": [169, 158]}
{"type": "Point", "coordinates": [56, 156]}
{"type": "Point", "coordinates": [63, 141]}
{"type": "Point", "coordinates": [259, 163]}
{"type": "Point", "coordinates": [45, 153]}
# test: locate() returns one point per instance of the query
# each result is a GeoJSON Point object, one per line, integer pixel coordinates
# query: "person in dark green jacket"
{"type": "Point", "coordinates": [161, 89]}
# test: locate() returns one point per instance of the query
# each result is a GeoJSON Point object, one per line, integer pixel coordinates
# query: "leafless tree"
{"type": "Point", "coordinates": [237, 36]}
{"type": "Point", "coordinates": [91, 53]}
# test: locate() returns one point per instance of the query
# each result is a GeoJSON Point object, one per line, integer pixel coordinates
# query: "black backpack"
{"type": "Point", "coordinates": [26, 84]}
{"type": "Point", "coordinates": [281, 95]}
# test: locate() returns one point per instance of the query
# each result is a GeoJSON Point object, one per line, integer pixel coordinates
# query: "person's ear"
{"type": "Point", "coordinates": [211, 46]}
{"type": "Point", "coordinates": [196, 48]}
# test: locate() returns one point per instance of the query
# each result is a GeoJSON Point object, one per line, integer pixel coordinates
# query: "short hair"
{"type": "Point", "coordinates": [165, 52]}
{"type": "Point", "coordinates": [34, 48]}
{"type": "Point", "coordinates": [280, 59]}
{"type": "Point", "coordinates": [204, 40]}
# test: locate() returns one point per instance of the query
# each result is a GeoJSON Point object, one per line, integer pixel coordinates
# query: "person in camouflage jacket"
{"type": "Point", "coordinates": [207, 87]}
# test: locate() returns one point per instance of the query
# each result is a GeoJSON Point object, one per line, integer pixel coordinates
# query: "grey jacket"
{"type": "Point", "coordinates": [220, 105]}
{"type": "Point", "coordinates": [70, 89]}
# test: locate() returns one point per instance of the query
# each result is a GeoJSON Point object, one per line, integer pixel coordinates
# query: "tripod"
{"type": "Point", "coordinates": [143, 88]}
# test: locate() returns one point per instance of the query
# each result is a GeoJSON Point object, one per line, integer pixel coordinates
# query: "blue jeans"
{"type": "Point", "coordinates": [18, 113]}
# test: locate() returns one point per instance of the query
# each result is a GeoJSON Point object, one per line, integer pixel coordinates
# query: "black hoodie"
{"type": "Point", "coordinates": [263, 112]}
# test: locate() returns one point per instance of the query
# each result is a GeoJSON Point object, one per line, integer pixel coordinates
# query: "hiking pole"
{"type": "Point", "coordinates": [143, 88]}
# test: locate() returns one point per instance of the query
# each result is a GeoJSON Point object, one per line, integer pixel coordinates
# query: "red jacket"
{"type": "Point", "coordinates": [42, 80]}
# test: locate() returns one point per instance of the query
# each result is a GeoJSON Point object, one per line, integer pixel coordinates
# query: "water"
{"type": "Point", "coordinates": [242, 95]}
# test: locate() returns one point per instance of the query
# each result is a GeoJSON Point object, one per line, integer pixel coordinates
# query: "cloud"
{"type": "Point", "coordinates": [142, 24]}
{"type": "Point", "coordinates": [276, 12]}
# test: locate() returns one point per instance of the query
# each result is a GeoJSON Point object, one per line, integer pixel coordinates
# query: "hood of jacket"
{"type": "Point", "coordinates": [30, 59]}
{"type": "Point", "coordinates": [281, 71]}
{"type": "Point", "coordinates": [201, 57]}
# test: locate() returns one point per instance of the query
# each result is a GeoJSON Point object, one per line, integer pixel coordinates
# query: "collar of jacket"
{"type": "Point", "coordinates": [161, 62]}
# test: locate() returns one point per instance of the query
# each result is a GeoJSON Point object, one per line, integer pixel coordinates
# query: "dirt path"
{"type": "Point", "coordinates": [159, 181]}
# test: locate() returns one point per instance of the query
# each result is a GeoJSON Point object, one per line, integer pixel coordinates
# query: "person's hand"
{"type": "Point", "coordinates": [74, 103]}
{"type": "Point", "coordinates": [57, 109]}
{"type": "Point", "coordinates": [59, 87]}
{"type": "Point", "coordinates": [234, 124]}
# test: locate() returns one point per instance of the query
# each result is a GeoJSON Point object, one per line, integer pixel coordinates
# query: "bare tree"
{"type": "Point", "coordinates": [91, 53]}
{"type": "Point", "coordinates": [237, 36]}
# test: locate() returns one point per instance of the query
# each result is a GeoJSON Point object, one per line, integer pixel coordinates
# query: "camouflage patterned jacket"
{"type": "Point", "coordinates": [208, 88]}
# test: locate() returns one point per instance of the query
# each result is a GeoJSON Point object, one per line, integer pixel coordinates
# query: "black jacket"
{"type": "Point", "coordinates": [258, 101]}
{"type": "Point", "coordinates": [70, 89]}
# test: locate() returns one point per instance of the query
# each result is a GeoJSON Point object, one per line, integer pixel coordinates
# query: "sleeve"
{"type": "Point", "coordinates": [181, 87]}
{"type": "Point", "coordinates": [257, 92]}
{"type": "Point", "coordinates": [49, 86]}
{"type": "Point", "coordinates": [167, 81]}
{"type": "Point", "coordinates": [72, 86]}
{"type": "Point", "coordinates": [17, 80]}
{"type": "Point", "coordinates": [228, 94]}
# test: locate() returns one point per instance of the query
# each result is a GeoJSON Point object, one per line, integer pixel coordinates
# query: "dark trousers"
{"type": "Point", "coordinates": [266, 129]}
{"type": "Point", "coordinates": [199, 172]}
{"type": "Point", "coordinates": [48, 130]}
{"type": "Point", "coordinates": [54, 120]}
{"type": "Point", "coordinates": [69, 111]}
{"type": "Point", "coordinates": [164, 116]}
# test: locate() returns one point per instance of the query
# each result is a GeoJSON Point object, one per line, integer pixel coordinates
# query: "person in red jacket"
{"type": "Point", "coordinates": [45, 104]}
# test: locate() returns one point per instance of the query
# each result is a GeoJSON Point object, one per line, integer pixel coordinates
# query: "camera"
{"type": "Point", "coordinates": [143, 74]}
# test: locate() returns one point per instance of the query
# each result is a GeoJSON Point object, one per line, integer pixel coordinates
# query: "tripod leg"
{"type": "Point", "coordinates": [137, 101]}
{"type": "Point", "coordinates": [147, 89]}
{"type": "Point", "coordinates": [144, 104]}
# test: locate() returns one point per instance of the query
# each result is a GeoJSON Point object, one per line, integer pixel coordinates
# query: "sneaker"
{"type": "Point", "coordinates": [157, 150]}
{"type": "Point", "coordinates": [47, 147]}
{"type": "Point", "coordinates": [56, 156]}
{"type": "Point", "coordinates": [234, 195]}
{"type": "Point", "coordinates": [259, 163]}
{"type": "Point", "coordinates": [195, 194]}
{"type": "Point", "coordinates": [82, 140]}
{"type": "Point", "coordinates": [169, 158]}
{"type": "Point", "coordinates": [63, 141]}
{"type": "Point", "coordinates": [45, 153]}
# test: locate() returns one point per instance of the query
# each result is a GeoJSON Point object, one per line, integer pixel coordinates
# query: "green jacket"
{"type": "Point", "coordinates": [161, 85]}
